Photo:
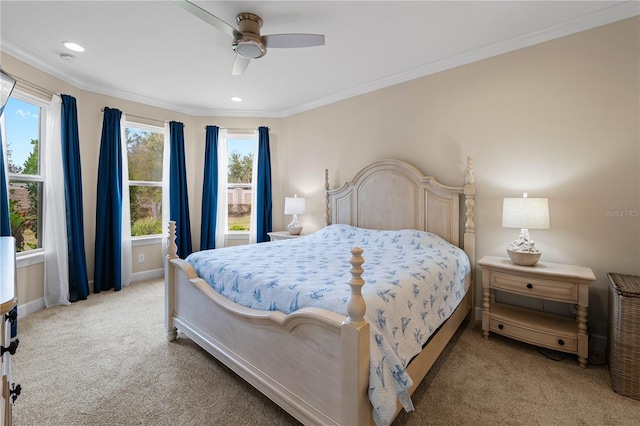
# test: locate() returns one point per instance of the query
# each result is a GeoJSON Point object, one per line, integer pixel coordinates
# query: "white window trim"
{"type": "Point", "coordinates": [146, 240]}
{"type": "Point", "coordinates": [143, 240]}
{"type": "Point", "coordinates": [28, 258]}
{"type": "Point", "coordinates": [237, 235]}
{"type": "Point", "coordinates": [35, 256]}
{"type": "Point", "coordinates": [240, 134]}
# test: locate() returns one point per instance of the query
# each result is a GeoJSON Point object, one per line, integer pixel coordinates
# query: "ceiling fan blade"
{"type": "Point", "coordinates": [240, 64]}
{"type": "Point", "coordinates": [207, 17]}
{"type": "Point", "coordinates": [293, 40]}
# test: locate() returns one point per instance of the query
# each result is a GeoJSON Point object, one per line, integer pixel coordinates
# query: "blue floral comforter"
{"type": "Point", "coordinates": [413, 282]}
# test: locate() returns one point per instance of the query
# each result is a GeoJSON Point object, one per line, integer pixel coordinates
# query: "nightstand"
{"type": "Point", "coordinates": [8, 301]}
{"type": "Point", "coordinates": [282, 235]}
{"type": "Point", "coordinates": [544, 280]}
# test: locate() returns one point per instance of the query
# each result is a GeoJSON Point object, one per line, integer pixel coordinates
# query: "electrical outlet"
{"type": "Point", "coordinates": [141, 258]}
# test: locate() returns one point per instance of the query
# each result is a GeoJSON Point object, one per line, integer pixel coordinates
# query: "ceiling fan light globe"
{"type": "Point", "coordinates": [249, 48]}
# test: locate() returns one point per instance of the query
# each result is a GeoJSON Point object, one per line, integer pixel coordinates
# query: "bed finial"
{"type": "Point", "coordinates": [169, 283]}
{"type": "Point", "coordinates": [356, 306]}
{"type": "Point", "coordinates": [470, 196]}
{"type": "Point", "coordinates": [172, 248]}
{"type": "Point", "coordinates": [327, 219]}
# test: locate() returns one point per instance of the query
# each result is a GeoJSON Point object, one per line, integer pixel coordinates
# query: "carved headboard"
{"type": "Point", "coordinates": [393, 194]}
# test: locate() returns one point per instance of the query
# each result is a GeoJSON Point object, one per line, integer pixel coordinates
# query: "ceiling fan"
{"type": "Point", "coordinates": [247, 41]}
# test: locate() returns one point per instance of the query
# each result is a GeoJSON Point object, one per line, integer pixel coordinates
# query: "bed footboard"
{"type": "Point", "coordinates": [313, 363]}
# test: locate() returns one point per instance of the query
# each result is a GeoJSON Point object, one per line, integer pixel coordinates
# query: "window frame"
{"type": "Point", "coordinates": [235, 134]}
{"type": "Point", "coordinates": [33, 256]}
{"type": "Point", "coordinates": [140, 240]}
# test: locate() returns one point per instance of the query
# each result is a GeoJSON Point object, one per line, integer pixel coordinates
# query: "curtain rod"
{"type": "Point", "coordinates": [237, 129]}
{"type": "Point", "coordinates": [140, 116]}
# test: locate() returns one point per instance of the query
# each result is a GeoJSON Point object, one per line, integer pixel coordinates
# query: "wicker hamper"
{"type": "Point", "coordinates": [624, 334]}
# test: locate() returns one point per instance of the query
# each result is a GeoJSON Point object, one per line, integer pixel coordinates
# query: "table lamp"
{"type": "Point", "coordinates": [525, 213]}
{"type": "Point", "coordinates": [295, 206]}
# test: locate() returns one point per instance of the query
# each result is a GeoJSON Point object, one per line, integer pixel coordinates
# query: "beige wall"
{"type": "Point", "coordinates": [90, 127]}
{"type": "Point", "coordinates": [559, 120]}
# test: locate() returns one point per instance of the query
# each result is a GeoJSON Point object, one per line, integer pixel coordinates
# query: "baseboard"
{"type": "Point", "coordinates": [147, 275]}
{"type": "Point", "coordinates": [139, 276]}
{"type": "Point", "coordinates": [30, 307]}
{"type": "Point", "coordinates": [38, 304]}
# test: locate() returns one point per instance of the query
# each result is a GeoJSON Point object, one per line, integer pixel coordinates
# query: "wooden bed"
{"type": "Point", "coordinates": [272, 351]}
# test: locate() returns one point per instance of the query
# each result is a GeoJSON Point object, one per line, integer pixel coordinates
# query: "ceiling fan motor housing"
{"type": "Point", "coordinates": [248, 43]}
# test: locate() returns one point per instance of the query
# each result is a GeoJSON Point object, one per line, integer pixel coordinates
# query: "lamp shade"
{"type": "Point", "coordinates": [525, 213]}
{"type": "Point", "coordinates": [295, 205]}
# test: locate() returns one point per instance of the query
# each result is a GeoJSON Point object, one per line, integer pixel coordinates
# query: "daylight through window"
{"type": "Point", "coordinates": [24, 123]}
{"type": "Point", "coordinates": [240, 149]}
{"type": "Point", "coordinates": [145, 149]}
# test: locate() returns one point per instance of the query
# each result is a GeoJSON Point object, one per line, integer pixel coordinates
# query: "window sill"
{"type": "Point", "coordinates": [239, 235]}
{"type": "Point", "coordinates": [35, 257]}
{"type": "Point", "coordinates": [146, 241]}
{"type": "Point", "coordinates": [30, 258]}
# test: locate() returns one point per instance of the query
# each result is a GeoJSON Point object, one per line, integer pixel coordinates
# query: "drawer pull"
{"type": "Point", "coordinates": [15, 391]}
{"type": "Point", "coordinates": [11, 348]}
{"type": "Point", "coordinates": [12, 315]}
{"type": "Point", "coordinates": [529, 285]}
{"type": "Point", "coordinates": [500, 326]}
{"type": "Point", "coordinates": [561, 342]}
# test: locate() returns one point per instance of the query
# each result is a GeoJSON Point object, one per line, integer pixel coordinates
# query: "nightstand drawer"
{"type": "Point", "coordinates": [534, 337]}
{"type": "Point", "coordinates": [561, 291]}
{"type": "Point", "coordinates": [568, 284]}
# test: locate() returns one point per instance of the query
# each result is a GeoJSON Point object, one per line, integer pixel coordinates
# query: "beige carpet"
{"type": "Point", "coordinates": [105, 361]}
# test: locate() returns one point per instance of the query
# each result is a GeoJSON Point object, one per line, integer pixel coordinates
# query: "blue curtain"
{"type": "Point", "coordinates": [210, 190]}
{"type": "Point", "coordinates": [78, 281]}
{"type": "Point", "coordinates": [5, 226]}
{"type": "Point", "coordinates": [108, 262]}
{"type": "Point", "coordinates": [178, 197]}
{"type": "Point", "coordinates": [263, 186]}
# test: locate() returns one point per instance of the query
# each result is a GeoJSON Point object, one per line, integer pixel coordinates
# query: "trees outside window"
{"type": "Point", "coordinates": [145, 150]}
{"type": "Point", "coordinates": [239, 181]}
{"type": "Point", "coordinates": [24, 122]}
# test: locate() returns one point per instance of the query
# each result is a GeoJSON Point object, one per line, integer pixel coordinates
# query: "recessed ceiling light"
{"type": "Point", "coordinates": [236, 99]}
{"type": "Point", "coordinates": [73, 46]}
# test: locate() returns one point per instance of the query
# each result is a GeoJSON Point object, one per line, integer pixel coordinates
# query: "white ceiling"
{"type": "Point", "coordinates": [156, 53]}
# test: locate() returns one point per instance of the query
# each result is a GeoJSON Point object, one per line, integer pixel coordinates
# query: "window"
{"type": "Point", "coordinates": [24, 128]}
{"type": "Point", "coordinates": [145, 152]}
{"type": "Point", "coordinates": [240, 149]}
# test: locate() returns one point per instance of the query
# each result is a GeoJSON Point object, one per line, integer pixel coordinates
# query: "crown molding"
{"type": "Point", "coordinates": [31, 59]}
{"type": "Point", "coordinates": [602, 17]}
{"type": "Point", "coordinates": [599, 18]}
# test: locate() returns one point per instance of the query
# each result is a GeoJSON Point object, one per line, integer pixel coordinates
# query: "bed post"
{"type": "Point", "coordinates": [327, 217]}
{"type": "Point", "coordinates": [169, 283]}
{"type": "Point", "coordinates": [356, 409]}
{"type": "Point", "coordinates": [470, 231]}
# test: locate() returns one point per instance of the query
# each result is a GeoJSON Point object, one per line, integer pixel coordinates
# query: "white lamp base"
{"type": "Point", "coordinates": [523, 251]}
{"type": "Point", "coordinates": [523, 259]}
{"type": "Point", "coordinates": [295, 227]}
